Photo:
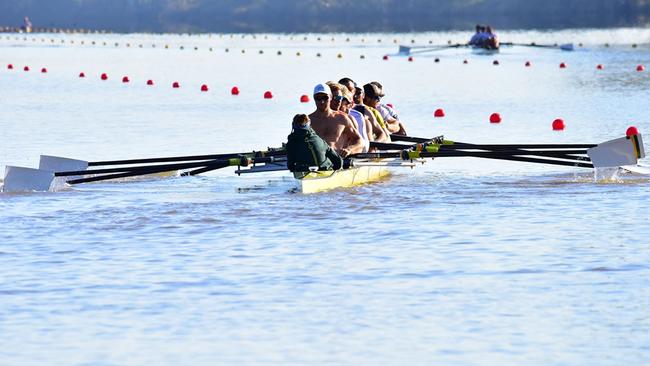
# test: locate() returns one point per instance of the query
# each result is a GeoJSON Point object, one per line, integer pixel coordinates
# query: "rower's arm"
{"type": "Point", "coordinates": [392, 125]}
{"type": "Point", "coordinates": [355, 141]}
{"type": "Point", "coordinates": [377, 132]}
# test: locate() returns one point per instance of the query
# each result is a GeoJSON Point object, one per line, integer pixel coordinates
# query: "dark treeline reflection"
{"type": "Point", "coordinates": [321, 15]}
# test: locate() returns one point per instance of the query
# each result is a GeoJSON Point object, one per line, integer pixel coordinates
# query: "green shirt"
{"type": "Point", "coordinates": [306, 149]}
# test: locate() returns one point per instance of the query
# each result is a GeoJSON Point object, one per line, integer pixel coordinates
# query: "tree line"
{"type": "Point", "coordinates": [322, 15]}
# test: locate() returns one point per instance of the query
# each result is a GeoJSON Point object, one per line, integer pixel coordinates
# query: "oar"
{"type": "Point", "coordinates": [154, 169]}
{"type": "Point", "coordinates": [613, 153]}
{"type": "Point", "coordinates": [406, 50]}
{"type": "Point", "coordinates": [449, 144]}
{"type": "Point", "coordinates": [500, 156]}
{"type": "Point", "coordinates": [563, 47]}
{"type": "Point", "coordinates": [269, 152]}
{"type": "Point", "coordinates": [412, 155]}
{"type": "Point", "coordinates": [432, 147]}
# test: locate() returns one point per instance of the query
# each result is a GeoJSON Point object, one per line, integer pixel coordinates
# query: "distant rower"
{"type": "Point", "coordinates": [485, 38]}
{"type": "Point", "coordinates": [27, 25]}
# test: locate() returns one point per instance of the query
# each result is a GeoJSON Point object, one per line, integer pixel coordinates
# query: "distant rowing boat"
{"type": "Point", "coordinates": [419, 49]}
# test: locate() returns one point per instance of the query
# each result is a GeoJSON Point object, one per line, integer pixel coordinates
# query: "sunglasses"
{"type": "Point", "coordinates": [339, 98]}
{"type": "Point", "coordinates": [321, 97]}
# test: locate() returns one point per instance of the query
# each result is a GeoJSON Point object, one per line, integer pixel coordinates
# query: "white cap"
{"type": "Point", "coordinates": [322, 89]}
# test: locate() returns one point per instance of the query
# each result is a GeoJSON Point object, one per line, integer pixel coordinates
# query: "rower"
{"type": "Point", "coordinates": [306, 150]}
{"type": "Point", "coordinates": [336, 128]}
{"type": "Point", "coordinates": [375, 131]}
{"type": "Point", "coordinates": [492, 40]}
{"type": "Point", "coordinates": [371, 100]}
{"type": "Point", "coordinates": [363, 125]}
{"type": "Point", "coordinates": [379, 131]}
{"type": "Point", "coordinates": [476, 39]}
{"type": "Point", "coordinates": [389, 115]}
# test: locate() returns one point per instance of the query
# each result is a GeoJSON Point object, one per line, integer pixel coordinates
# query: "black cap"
{"type": "Point", "coordinates": [372, 91]}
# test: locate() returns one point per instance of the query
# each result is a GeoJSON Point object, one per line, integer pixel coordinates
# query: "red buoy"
{"type": "Point", "coordinates": [44, 70]}
{"type": "Point", "coordinates": [234, 90]}
{"type": "Point", "coordinates": [10, 67]}
{"type": "Point", "coordinates": [268, 95]}
{"type": "Point", "coordinates": [439, 113]}
{"type": "Point", "coordinates": [562, 65]}
{"type": "Point", "coordinates": [640, 68]}
{"type": "Point", "coordinates": [495, 118]}
{"type": "Point", "coordinates": [104, 77]}
{"type": "Point", "coordinates": [82, 75]}
{"type": "Point", "coordinates": [385, 58]}
{"type": "Point", "coordinates": [26, 68]}
{"type": "Point", "coordinates": [410, 58]}
{"type": "Point", "coordinates": [304, 98]}
{"type": "Point", "coordinates": [176, 85]}
{"type": "Point", "coordinates": [125, 79]}
{"type": "Point", "coordinates": [204, 88]}
{"type": "Point", "coordinates": [558, 125]}
{"type": "Point", "coordinates": [600, 67]}
{"type": "Point", "coordinates": [528, 64]}
{"type": "Point", "coordinates": [149, 82]}
{"type": "Point", "coordinates": [495, 62]}
{"type": "Point", "coordinates": [631, 131]}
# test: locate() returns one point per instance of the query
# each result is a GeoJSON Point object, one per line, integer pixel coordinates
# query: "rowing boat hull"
{"type": "Point", "coordinates": [315, 182]}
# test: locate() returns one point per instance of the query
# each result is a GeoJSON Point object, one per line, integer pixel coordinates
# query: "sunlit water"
{"type": "Point", "coordinates": [459, 261]}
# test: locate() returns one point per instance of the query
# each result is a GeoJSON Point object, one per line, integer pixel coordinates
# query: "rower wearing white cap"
{"type": "Point", "coordinates": [336, 128]}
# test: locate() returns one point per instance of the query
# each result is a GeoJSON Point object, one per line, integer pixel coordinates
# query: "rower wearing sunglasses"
{"type": "Point", "coordinates": [374, 131]}
{"type": "Point", "coordinates": [336, 128]}
{"type": "Point", "coordinates": [344, 103]}
{"type": "Point", "coordinates": [393, 124]}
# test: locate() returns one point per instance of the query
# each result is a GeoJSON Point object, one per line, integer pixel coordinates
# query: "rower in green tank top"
{"type": "Point", "coordinates": [306, 150]}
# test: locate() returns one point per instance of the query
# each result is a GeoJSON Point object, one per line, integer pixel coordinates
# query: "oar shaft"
{"type": "Point", "coordinates": [145, 169]}
{"type": "Point", "coordinates": [134, 169]}
{"type": "Point", "coordinates": [464, 145]}
{"type": "Point", "coordinates": [497, 156]}
{"type": "Point", "coordinates": [188, 158]}
{"type": "Point", "coordinates": [215, 164]}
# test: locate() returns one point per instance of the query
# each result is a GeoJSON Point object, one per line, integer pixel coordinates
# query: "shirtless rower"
{"type": "Point", "coordinates": [342, 100]}
{"type": "Point", "coordinates": [376, 132]}
{"type": "Point", "coordinates": [336, 128]}
{"type": "Point", "coordinates": [389, 115]}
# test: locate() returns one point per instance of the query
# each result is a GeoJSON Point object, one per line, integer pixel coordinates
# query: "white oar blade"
{"type": "Point", "coordinates": [59, 164]}
{"type": "Point", "coordinates": [614, 153]}
{"type": "Point", "coordinates": [19, 179]}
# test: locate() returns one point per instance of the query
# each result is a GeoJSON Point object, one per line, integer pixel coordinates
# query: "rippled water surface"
{"type": "Point", "coordinates": [459, 261]}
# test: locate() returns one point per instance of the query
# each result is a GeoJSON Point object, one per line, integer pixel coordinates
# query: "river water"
{"type": "Point", "coordinates": [457, 262]}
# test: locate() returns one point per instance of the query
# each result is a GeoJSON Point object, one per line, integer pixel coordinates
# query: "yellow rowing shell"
{"type": "Point", "coordinates": [320, 181]}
